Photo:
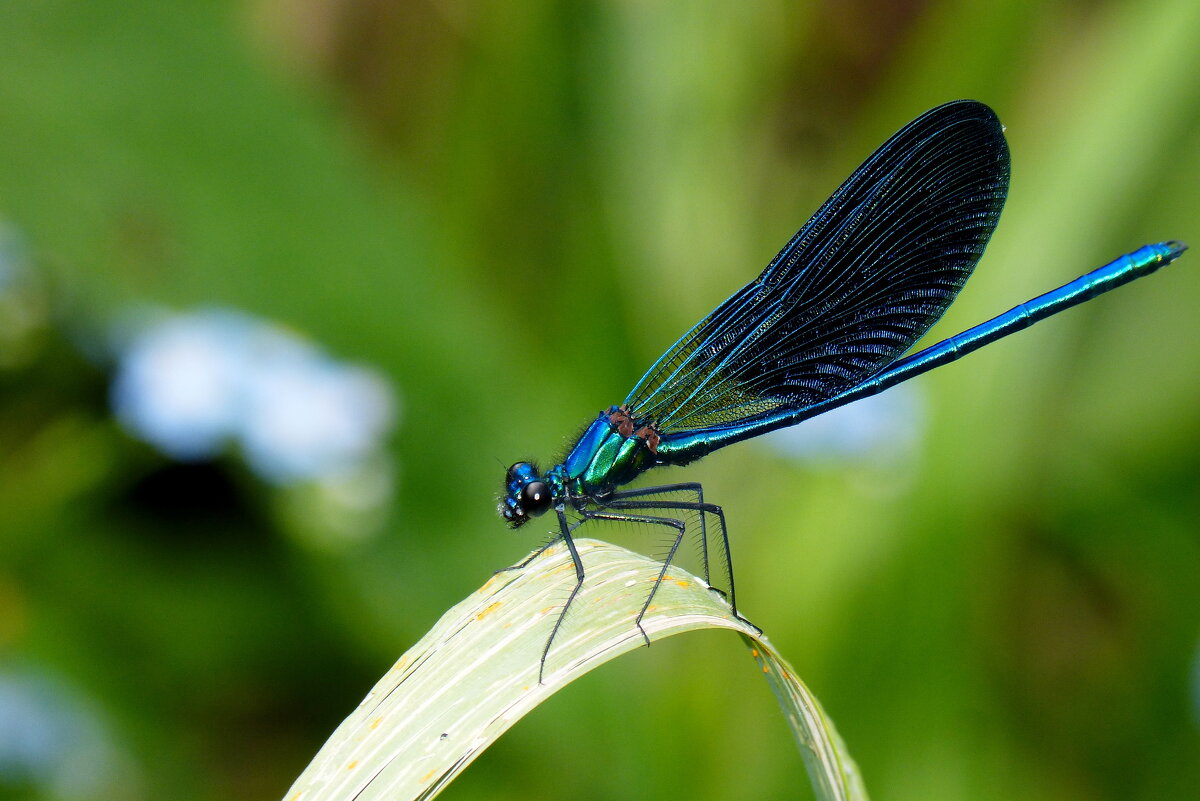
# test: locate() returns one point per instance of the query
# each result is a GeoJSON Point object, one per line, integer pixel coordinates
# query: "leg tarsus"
{"type": "Point", "coordinates": [658, 581]}
{"type": "Point", "coordinates": [524, 563]}
{"type": "Point", "coordinates": [622, 503]}
{"type": "Point", "coordinates": [690, 486]}
{"type": "Point", "coordinates": [579, 575]}
{"type": "Point", "coordinates": [747, 621]}
{"type": "Point", "coordinates": [680, 530]}
{"type": "Point", "coordinates": [627, 501]}
{"type": "Point", "coordinates": [557, 624]}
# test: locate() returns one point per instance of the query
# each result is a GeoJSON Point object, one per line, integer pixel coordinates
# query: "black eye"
{"type": "Point", "coordinates": [535, 498]}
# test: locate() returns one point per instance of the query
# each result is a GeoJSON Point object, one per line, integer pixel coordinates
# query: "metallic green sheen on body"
{"type": "Point", "coordinates": [603, 459]}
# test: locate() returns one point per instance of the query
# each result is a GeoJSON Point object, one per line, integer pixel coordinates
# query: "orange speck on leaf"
{"type": "Point", "coordinates": [548, 610]}
{"type": "Point", "coordinates": [428, 776]}
{"type": "Point", "coordinates": [352, 765]}
{"type": "Point", "coordinates": [375, 723]}
{"type": "Point", "coordinates": [683, 583]}
{"type": "Point", "coordinates": [766, 669]}
{"type": "Point", "coordinates": [488, 610]}
{"type": "Point", "coordinates": [754, 653]}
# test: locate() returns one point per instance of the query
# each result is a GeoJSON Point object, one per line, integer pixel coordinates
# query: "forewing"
{"type": "Point", "coordinates": [862, 281]}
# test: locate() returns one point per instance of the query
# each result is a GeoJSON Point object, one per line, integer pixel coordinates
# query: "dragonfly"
{"type": "Point", "coordinates": [828, 322]}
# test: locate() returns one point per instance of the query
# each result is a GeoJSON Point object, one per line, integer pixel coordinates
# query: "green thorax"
{"type": "Point", "coordinates": [609, 454]}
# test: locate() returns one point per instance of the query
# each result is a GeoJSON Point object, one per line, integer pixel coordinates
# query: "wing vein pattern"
{"type": "Point", "coordinates": [854, 289]}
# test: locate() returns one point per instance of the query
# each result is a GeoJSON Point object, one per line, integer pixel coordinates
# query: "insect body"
{"type": "Point", "coordinates": [826, 323]}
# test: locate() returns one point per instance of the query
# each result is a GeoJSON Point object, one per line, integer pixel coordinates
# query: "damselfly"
{"type": "Point", "coordinates": [826, 323]}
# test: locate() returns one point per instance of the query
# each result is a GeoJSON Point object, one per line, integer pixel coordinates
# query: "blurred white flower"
{"type": "Point", "coordinates": [306, 417]}
{"type": "Point", "coordinates": [193, 384]}
{"type": "Point", "coordinates": [180, 380]}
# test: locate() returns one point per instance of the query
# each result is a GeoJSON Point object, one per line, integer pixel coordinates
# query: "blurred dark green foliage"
{"type": "Point", "coordinates": [510, 209]}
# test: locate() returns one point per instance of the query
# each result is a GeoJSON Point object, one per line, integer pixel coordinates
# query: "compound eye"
{"type": "Point", "coordinates": [516, 470]}
{"type": "Point", "coordinates": [535, 498]}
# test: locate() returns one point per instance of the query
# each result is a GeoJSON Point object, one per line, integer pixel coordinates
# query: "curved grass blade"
{"type": "Point", "coordinates": [475, 674]}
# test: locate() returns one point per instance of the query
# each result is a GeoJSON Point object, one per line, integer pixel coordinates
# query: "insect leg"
{"type": "Point", "coordinates": [680, 529]}
{"type": "Point", "coordinates": [622, 501]}
{"type": "Point", "coordinates": [526, 561]}
{"type": "Point", "coordinates": [690, 486]}
{"type": "Point", "coordinates": [565, 534]}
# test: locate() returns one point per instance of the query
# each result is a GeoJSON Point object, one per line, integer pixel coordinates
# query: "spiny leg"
{"type": "Point", "coordinates": [663, 489]}
{"type": "Point", "coordinates": [565, 535]}
{"type": "Point", "coordinates": [685, 506]}
{"type": "Point", "coordinates": [618, 501]}
{"type": "Point", "coordinates": [623, 501]}
{"type": "Point", "coordinates": [680, 529]}
{"type": "Point", "coordinates": [524, 563]}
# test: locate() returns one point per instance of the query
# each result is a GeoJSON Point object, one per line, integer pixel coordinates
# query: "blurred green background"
{"type": "Point", "coordinates": [508, 210]}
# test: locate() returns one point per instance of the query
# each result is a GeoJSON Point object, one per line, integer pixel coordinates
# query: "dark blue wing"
{"type": "Point", "coordinates": [861, 282]}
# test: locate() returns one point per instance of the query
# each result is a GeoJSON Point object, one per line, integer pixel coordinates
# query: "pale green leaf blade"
{"type": "Point", "coordinates": [475, 674]}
